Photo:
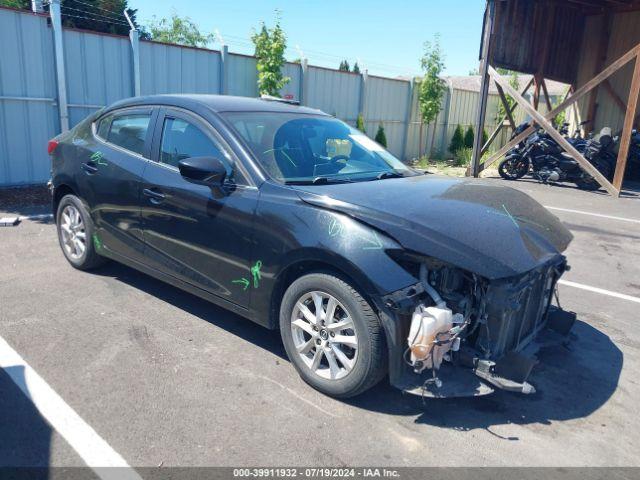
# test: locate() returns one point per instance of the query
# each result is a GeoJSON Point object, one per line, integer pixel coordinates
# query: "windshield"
{"type": "Point", "coordinates": [295, 148]}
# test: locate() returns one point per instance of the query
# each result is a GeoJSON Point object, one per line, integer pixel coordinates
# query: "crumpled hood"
{"type": "Point", "coordinates": [492, 230]}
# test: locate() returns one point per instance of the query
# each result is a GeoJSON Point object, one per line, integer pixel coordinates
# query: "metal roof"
{"type": "Point", "coordinates": [471, 83]}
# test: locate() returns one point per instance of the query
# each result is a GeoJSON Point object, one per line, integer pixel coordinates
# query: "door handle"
{"type": "Point", "coordinates": [155, 197]}
{"type": "Point", "coordinates": [90, 168]}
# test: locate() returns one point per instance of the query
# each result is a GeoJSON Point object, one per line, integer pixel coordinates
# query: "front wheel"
{"type": "Point", "coordinates": [332, 335]}
{"type": "Point", "coordinates": [513, 168]}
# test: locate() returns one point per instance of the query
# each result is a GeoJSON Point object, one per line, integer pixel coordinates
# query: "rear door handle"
{"type": "Point", "coordinates": [90, 168]}
{"type": "Point", "coordinates": [155, 197]}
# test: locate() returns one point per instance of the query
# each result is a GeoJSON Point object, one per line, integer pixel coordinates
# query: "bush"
{"type": "Point", "coordinates": [485, 137]}
{"type": "Point", "coordinates": [468, 137]}
{"type": "Point", "coordinates": [381, 138]}
{"type": "Point", "coordinates": [360, 123]}
{"type": "Point", "coordinates": [462, 157]}
{"type": "Point", "coordinates": [457, 141]}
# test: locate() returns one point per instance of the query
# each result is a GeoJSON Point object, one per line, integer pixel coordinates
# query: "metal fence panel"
{"type": "Point", "coordinates": [242, 75]}
{"type": "Point", "coordinates": [26, 72]}
{"type": "Point", "coordinates": [175, 69]}
{"type": "Point", "coordinates": [336, 93]}
{"type": "Point", "coordinates": [385, 103]}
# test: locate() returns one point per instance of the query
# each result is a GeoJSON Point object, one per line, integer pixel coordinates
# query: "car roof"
{"type": "Point", "coordinates": [216, 103]}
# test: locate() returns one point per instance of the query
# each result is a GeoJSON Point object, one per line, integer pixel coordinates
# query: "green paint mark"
{"type": "Point", "coordinates": [244, 282]}
{"type": "Point", "coordinates": [97, 243]}
{"type": "Point", "coordinates": [335, 228]}
{"type": "Point", "coordinates": [510, 216]}
{"type": "Point", "coordinates": [97, 157]}
{"type": "Point", "coordinates": [372, 243]}
{"type": "Point", "coordinates": [255, 273]}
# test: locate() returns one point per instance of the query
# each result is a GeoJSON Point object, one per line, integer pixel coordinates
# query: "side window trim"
{"type": "Point", "coordinates": [244, 178]}
{"type": "Point", "coordinates": [134, 110]}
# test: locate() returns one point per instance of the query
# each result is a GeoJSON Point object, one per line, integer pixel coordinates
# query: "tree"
{"type": "Point", "coordinates": [106, 16]}
{"type": "Point", "coordinates": [270, 45]}
{"type": "Point", "coordinates": [360, 123]}
{"type": "Point", "coordinates": [344, 66]}
{"type": "Point", "coordinates": [432, 87]}
{"type": "Point", "coordinates": [178, 30]}
{"type": "Point", "coordinates": [468, 137]}
{"type": "Point", "coordinates": [356, 68]}
{"type": "Point", "coordinates": [381, 138]}
{"type": "Point", "coordinates": [22, 4]}
{"type": "Point", "coordinates": [514, 81]}
{"type": "Point", "coordinates": [457, 141]}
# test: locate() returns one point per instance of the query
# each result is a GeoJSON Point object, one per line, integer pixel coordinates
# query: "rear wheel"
{"type": "Point", "coordinates": [513, 168]}
{"type": "Point", "coordinates": [332, 335]}
{"type": "Point", "coordinates": [76, 234]}
{"type": "Point", "coordinates": [588, 182]}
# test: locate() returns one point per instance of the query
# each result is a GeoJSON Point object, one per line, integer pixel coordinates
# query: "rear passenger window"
{"type": "Point", "coordinates": [129, 131]}
{"type": "Point", "coordinates": [182, 140]}
{"type": "Point", "coordinates": [103, 127]}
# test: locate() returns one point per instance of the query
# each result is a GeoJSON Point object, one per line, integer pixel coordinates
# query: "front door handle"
{"type": "Point", "coordinates": [155, 197]}
{"type": "Point", "coordinates": [90, 167]}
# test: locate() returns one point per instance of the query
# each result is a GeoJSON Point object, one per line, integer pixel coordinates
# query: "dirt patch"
{"type": "Point", "coordinates": [12, 198]}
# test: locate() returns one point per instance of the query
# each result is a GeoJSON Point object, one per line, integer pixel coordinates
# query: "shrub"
{"type": "Point", "coordinates": [468, 137]}
{"type": "Point", "coordinates": [462, 157]}
{"type": "Point", "coordinates": [381, 138]}
{"type": "Point", "coordinates": [360, 123]}
{"type": "Point", "coordinates": [457, 141]}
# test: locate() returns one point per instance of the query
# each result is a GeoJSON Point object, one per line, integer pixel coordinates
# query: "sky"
{"type": "Point", "coordinates": [386, 37]}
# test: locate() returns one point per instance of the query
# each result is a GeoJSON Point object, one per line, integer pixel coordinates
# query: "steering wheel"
{"type": "Point", "coordinates": [338, 158]}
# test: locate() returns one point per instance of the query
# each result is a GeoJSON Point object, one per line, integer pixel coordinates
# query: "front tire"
{"type": "Point", "coordinates": [332, 336]}
{"type": "Point", "coordinates": [76, 234]}
{"type": "Point", "coordinates": [513, 168]}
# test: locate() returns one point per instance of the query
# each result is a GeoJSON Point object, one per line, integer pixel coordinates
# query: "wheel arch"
{"type": "Point", "coordinates": [59, 192]}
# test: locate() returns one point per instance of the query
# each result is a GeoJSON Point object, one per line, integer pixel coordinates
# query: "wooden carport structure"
{"type": "Point", "coordinates": [555, 39]}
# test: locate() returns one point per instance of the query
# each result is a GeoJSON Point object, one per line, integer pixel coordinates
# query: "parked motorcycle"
{"type": "Point", "coordinates": [548, 162]}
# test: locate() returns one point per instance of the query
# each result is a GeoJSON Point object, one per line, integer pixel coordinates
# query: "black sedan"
{"type": "Point", "coordinates": [295, 220]}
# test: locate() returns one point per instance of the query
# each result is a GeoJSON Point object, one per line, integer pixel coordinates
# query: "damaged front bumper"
{"type": "Point", "coordinates": [509, 321]}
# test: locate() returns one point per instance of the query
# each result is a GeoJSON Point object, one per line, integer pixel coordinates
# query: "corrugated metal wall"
{"type": "Point", "coordinates": [99, 71]}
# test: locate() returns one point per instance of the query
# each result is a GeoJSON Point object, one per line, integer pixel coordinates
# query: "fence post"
{"type": "Point", "coordinates": [135, 54]}
{"type": "Point", "coordinates": [363, 91]}
{"type": "Point", "coordinates": [304, 80]}
{"type": "Point", "coordinates": [56, 24]}
{"type": "Point", "coordinates": [36, 6]}
{"type": "Point", "coordinates": [407, 120]}
{"type": "Point", "coordinates": [224, 70]}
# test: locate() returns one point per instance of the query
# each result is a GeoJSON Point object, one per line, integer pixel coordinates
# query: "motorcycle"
{"type": "Point", "coordinates": [548, 162]}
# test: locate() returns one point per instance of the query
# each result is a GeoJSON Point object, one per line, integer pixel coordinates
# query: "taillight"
{"type": "Point", "coordinates": [51, 146]}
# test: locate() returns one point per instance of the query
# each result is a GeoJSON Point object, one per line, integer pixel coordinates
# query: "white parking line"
{"type": "Point", "coordinates": [93, 450]}
{"type": "Point", "coordinates": [581, 212]}
{"type": "Point", "coordinates": [599, 290]}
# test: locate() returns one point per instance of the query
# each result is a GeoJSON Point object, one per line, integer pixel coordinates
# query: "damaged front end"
{"type": "Point", "coordinates": [462, 335]}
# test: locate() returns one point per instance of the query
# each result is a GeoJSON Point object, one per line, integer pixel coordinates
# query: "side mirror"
{"type": "Point", "coordinates": [203, 170]}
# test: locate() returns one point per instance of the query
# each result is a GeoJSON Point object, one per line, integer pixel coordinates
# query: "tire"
{"type": "Point", "coordinates": [75, 229]}
{"type": "Point", "coordinates": [589, 183]}
{"type": "Point", "coordinates": [513, 168]}
{"type": "Point", "coordinates": [350, 371]}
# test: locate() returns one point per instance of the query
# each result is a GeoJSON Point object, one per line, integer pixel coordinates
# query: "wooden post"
{"type": "Point", "coordinates": [632, 105]}
{"type": "Point", "coordinates": [616, 98]}
{"type": "Point", "coordinates": [484, 86]}
{"type": "Point", "coordinates": [536, 92]}
{"type": "Point", "coordinates": [507, 107]}
{"type": "Point", "coordinates": [577, 95]}
{"type": "Point", "coordinates": [544, 123]}
{"type": "Point", "coordinates": [546, 95]}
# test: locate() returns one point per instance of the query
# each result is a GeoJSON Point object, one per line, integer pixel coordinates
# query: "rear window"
{"type": "Point", "coordinates": [129, 131]}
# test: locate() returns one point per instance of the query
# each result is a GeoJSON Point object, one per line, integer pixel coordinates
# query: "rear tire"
{"type": "Point", "coordinates": [590, 183]}
{"type": "Point", "coordinates": [76, 234]}
{"type": "Point", "coordinates": [342, 351]}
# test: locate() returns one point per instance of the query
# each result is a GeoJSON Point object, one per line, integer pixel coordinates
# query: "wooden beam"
{"type": "Point", "coordinates": [546, 95]}
{"type": "Point", "coordinates": [581, 92]}
{"type": "Point", "coordinates": [536, 92]}
{"type": "Point", "coordinates": [507, 107]}
{"type": "Point", "coordinates": [497, 130]}
{"type": "Point", "coordinates": [557, 136]}
{"type": "Point", "coordinates": [484, 85]}
{"type": "Point", "coordinates": [632, 105]}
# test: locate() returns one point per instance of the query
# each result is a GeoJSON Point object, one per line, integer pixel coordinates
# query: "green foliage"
{"type": "Point", "coordinates": [270, 45]}
{"type": "Point", "coordinates": [485, 136]}
{"type": "Point", "coordinates": [381, 138]}
{"type": "Point", "coordinates": [23, 4]}
{"type": "Point", "coordinates": [356, 68]}
{"type": "Point", "coordinates": [344, 66]}
{"type": "Point", "coordinates": [514, 81]}
{"type": "Point", "coordinates": [432, 87]}
{"type": "Point", "coordinates": [457, 141]}
{"type": "Point", "coordinates": [360, 123]}
{"type": "Point", "coordinates": [179, 30]}
{"type": "Point", "coordinates": [104, 16]}
{"type": "Point", "coordinates": [462, 157]}
{"type": "Point", "coordinates": [468, 137]}
{"type": "Point", "coordinates": [561, 117]}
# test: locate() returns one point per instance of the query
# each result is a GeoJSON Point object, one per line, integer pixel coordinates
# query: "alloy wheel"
{"type": "Point", "coordinates": [72, 230]}
{"type": "Point", "coordinates": [324, 335]}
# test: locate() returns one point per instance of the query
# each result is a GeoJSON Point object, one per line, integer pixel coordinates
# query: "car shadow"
{"type": "Point", "coordinates": [207, 311]}
{"type": "Point", "coordinates": [25, 436]}
{"type": "Point", "coordinates": [572, 381]}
